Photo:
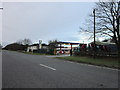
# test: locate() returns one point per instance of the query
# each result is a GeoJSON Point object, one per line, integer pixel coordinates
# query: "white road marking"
{"type": "Point", "coordinates": [48, 67]}
{"type": "Point", "coordinates": [103, 67]}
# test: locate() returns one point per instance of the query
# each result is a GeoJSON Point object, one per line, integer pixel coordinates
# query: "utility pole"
{"type": "Point", "coordinates": [0, 28]}
{"type": "Point", "coordinates": [94, 34]}
{"type": "Point", "coordinates": [118, 28]}
{"type": "Point", "coordinates": [118, 20]}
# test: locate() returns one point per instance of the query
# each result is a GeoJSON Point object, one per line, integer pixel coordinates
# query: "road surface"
{"type": "Point", "coordinates": [36, 71]}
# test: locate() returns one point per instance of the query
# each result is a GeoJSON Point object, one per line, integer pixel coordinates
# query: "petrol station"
{"type": "Point", "coordinates": [60, 43]}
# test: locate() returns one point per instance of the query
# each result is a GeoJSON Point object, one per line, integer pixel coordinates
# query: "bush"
{"type": "Point", "coordinates": [50, 51]}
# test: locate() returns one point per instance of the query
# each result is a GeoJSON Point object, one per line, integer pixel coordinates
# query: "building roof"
{"type": "Point", "coordinates": [38, 44]}
{"type": "Point", "coordinates": [44, 44]}
{"type": "Point", "coordinates": [60, 42]}
{"type": "Point", "coordinates": [34, 45]}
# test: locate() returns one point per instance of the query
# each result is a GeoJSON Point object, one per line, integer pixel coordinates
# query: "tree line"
{"type": "Point", "coordinates": [22, 45]}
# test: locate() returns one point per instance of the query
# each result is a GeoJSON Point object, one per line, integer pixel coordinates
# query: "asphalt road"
{"type": "Point", "coordinates": [21, 70]}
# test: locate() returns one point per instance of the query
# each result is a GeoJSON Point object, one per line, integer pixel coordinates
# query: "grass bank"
{"type": "Point", "coordinates": [107, 62]}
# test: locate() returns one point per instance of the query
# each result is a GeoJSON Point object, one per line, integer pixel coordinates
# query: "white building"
{"type": "Point", "coordinates": [33, 47]}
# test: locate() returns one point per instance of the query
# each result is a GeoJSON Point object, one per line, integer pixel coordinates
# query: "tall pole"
{"type": "Point", "coordinates": [0, 60]}
{"type": "Point", "coordinates": [118, 20]}
{"type": "Point", "coordinates": [1, 28]}
{"type": "Point", "coordinates": [118, 27]}
{"type": "Point", "coordinates": [94, 33]}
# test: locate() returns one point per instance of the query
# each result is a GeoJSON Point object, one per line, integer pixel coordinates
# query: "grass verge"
{"type": "Point", "coordinates": [107, 62]}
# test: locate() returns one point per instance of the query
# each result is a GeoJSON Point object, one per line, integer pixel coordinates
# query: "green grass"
{"type": "Point", "coordinates": [108, 62]}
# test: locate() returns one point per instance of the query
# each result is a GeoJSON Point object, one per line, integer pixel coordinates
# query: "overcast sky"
{"type": "Point", "coordinates": [44, 21]}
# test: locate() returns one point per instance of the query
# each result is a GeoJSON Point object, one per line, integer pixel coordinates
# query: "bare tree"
{"type": "Point", "coordinates": [53, 44]}
{"type": "Point", "coordinates": [20, 42]}
{"type": "Point", "coordinates": [108, 20]}
{"type": "Point", "coordinates": [25, 41]}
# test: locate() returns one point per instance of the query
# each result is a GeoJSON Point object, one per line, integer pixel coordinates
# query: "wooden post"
{"type": "Point", "coordinates": [71, 50]}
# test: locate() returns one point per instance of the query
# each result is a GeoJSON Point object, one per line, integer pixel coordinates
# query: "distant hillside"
{"type": "Point", "coordinates": [15, 47]}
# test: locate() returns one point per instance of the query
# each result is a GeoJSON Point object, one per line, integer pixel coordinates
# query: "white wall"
{"type": "Point", "coordinates": [32, 48]}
